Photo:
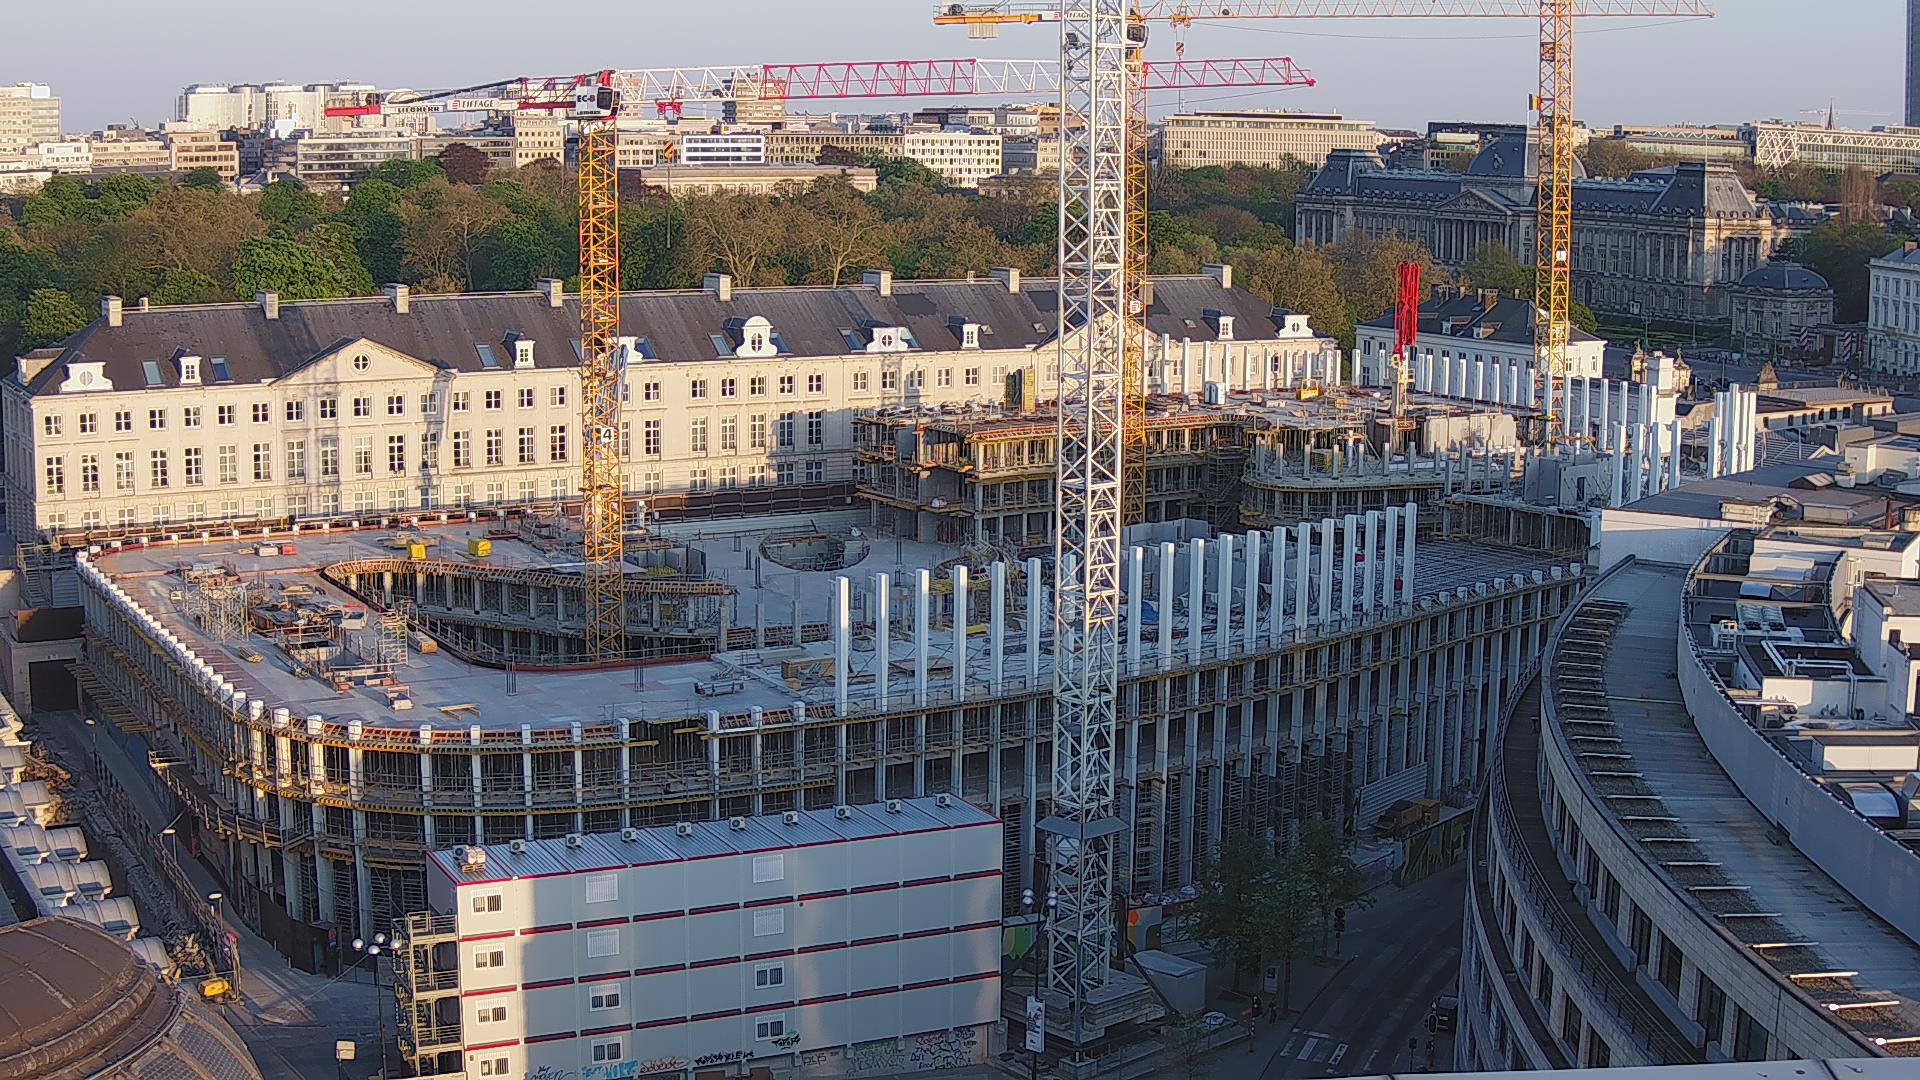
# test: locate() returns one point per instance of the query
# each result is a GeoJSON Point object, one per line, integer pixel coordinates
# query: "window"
{"type": "Point", "coordinates": [1749, 1038]}
{"type": "Point", "coordinates": [1711, 1009]}
{"type": "Point", "coordinates": [602, 888]}
{"type": "Point", "coordinates": [50, 426]}
{"type": "Point", "coordinates": [157, 467]}
{"type": "Point", "coordinates": [600, 998]}
{"type": "Point", "coordinates": [626, 439]}
{"type": "Point", "coordinates": [329, 408]}
{"type": "Point", "coordinates": [363, 406]}
{"type": "Point", "coordinates": [786, 384]}
{"type": "Point", "coordinates": [329, 457]}
{"type": "Point", "coordinates": [462, 400]}
{"type": "Point", "coordinates": [363, 455]}
{"type": "Point", "coordinates": [729, 477]}
{"type": "Point", "coordinates": [769, 868]}
{"type": "Point", "coordinates": [767, 976]}
{"type": "Point", "coordinates": [943, 377]}
{"type": "Point", "coordinates": [89, 423]}
{"type": "Point", "coordinates": [650, 391]}
{"type": "Point", "coordinates": [56, 476]}
{"type": "Point", "coordinates": [1640, 937]}
{"type": "Point", "coordinates": [1669, 973]}
{"type": "Point", "coordinates": [297, 460]}
{"type": "Point", "coordinates": [757, 431]}
{"type": "Point", "coordinates": [816, 472]}
{"type": "Point", "coordinates": [462, 449]}
{"type": "Point", "coordinates": [491, 399]}
{"type": "Point", "coordinates": [650, 438]}
{"type": "Point", "coordinates": [485, 903]}
{"type": "Point", "coordinates": [1570, 1024]}
{"type": "Point", "coordinates": [526, 397]}
{"type": "Point", "coordinates": [296, 411]}
{"type": "Point", "coordinates": [557, 443]}
{"type": "Point", "coordinates": [496, 1066]}
{"type": "Point", "coordinates": [493, 446]}
{"type": "Point", "coordinates": [973, 376]}
{"type": "Point", "coordinates": [262, 412]}
{"type": "Point", "coordinates": [816, 383]}
{"type": "Point", "coordinates": [262, 461]}
{"type": "Point", "coordinates": [770, 1027]}
{"type": "Point", "coordinates": [123, 418]}
{"type": "Point", "coordinates": [859, 382]}
{"type": "Point", "coordinates": [491, 1014]}
{"type": "Point", "coordinates": [557, 397]}
{"type": "Point", "coordinates": [489, 958]}
{"type": "Point", "coordinates": [697, 435]}
{"type": "Point", "coordinates": [729, 434]}
{"type": "Point", "coordinates": [430, 404]}
{"type": "Point", "coordinates": [916, 379]}
{"type": "Point", "coordinates": [396, 404]}
{"type": "Point", "coordinates": [769, 921]}
{"type": "Point", "coordinates": [89, 473]}
{"type": "Point", "coordinates": [729, 387]}
{"type": "Point", "coordinates": [396, 454]}
{"type": "Point", "coordinates": [783, 431]}
{"type": "Point", "coordinates": [1599, 1056]}
{"type": "Point", "coordinates": [816, 428]}
{"type": "Point", "coordinates": [602, 942]}
{"type": "Point", "coordinates": [607, 1050]}
{"type": "Point", "coordinates": [697, 389]}
{"type": "Point", "coordinates": [696, 479]}
{"type": "Point", "coordinates": [757, 386]}
{"type": "Point", "coordinates": [156, 419]}
{"type": "Point", "coordinates": [783, 473]}
{"type": "Point", "coordinates": [527, 453]}
{"type": "Point", "coordinates": [191, 466]}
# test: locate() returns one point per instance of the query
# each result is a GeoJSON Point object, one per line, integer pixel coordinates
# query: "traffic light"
{"type": "Point", "coordinates": [1340, 920]}
{"type": "Point", "coordinates": [1433, 1024]}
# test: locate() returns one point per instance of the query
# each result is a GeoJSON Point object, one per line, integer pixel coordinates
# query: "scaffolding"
{"type": "Point", "coordinates": [218, 604]}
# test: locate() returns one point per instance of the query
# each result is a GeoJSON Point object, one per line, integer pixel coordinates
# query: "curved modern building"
{"type": "Point", "coordinates": [1697, 843]}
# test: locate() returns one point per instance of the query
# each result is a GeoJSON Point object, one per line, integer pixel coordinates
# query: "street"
{"type": "Point", "coordinates": [1398, 956]}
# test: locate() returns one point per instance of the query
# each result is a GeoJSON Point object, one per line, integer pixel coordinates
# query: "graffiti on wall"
{"type": "Point", "coordinates": [548, 1072]}
{"type": "Point", "coordinates": [1434, 848]}
{"type": "Point", "coordinates": [951, 1049]}
{"type": "Point", "coordinates": [878, 1056]}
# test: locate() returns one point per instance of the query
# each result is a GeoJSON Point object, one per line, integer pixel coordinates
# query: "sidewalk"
{"type": "Point", "coordinates": [1239, 1061]}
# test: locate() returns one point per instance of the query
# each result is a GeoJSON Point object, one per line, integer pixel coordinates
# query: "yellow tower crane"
{"type": "Point", "coordinates": [602, 509]}
{"type": "Point", "coordinates": [1553, 105]}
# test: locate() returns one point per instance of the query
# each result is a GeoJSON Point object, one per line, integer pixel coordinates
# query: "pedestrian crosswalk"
{"type": "Point", "coordinates": [1317, 1046]}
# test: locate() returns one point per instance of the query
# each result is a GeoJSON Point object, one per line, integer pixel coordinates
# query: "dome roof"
{"type": "Point", "coordinates": [1514, 156]}
{"type": "Point", "coordinates": [1784, 275]}
{"type": "Point", "coordinates": [80, 1005]}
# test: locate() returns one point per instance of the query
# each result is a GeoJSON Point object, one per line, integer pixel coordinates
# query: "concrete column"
{"type": "Point", "coordinates": [1134, 584]}
{"type": "Point", "coordinates": [1164, 607]}
{"type": "Point", "coordinates": [1196, 597]}
{"type": "Point", "coordinates": [1389, 560]}
{"type": "Point", "coordinates": [1713, 443]}
{"type": "Point", "coordinates": [1606, 413]}
{"type": "Point", "coordinates": [1035, 616]}
{"type": "Point", "coordinates": [1206, 364]}
{"type": "Point", "coordinates": [1350, 566]}
{"type": "Point", "coordinates": [842, 643]}
{"type": "Point", "coordinates": [1369, 570]}
{"type": "Point", "coordinates": [1409, 520]}
{"type": "Point", "coordinates": [1636, 459]}
{"type": "Point", "coordinates": [1250, 608]}
{"type": "Point", "coordinates": [1673, 455]}
{"type": "Point", "coordinates": [882, 636]}
{"type": "Point", "coordinates": [1326, 570]}
{"type": "Point", "coordinates": [1278, 600]}
{"type": "Point", "coordinates": [922, 632]}
{"type": "Point", "coordinates": [1186, 365]}
{"type": "Point", "coordinates": [1618, 494]}
{"type": "Point", "coordinates": [1302, 578]}
{"type": "Point", "coordinates": [960, 620]}
{"type": "Point", "coordinates": [997, 625]}
{"type": "Point", "coordinates": [1223, 603]}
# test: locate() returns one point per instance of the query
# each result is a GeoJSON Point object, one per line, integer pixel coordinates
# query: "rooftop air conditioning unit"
{"type": "Point", "coordinates": [684, 828]}
{"type": "Point", "coordinates": [472, 859]}
{"type": "Point", "coordinates": [629, 835]}
{"type": "Point", "coordinates": [737, 824]}
{"type": "Point", "coordinates": [518, 847]}
{"type": "Point", "coordinates": [843, 813]}
{"type": "Point", "coordinates": [791, 817]}
{"type": "Point", "coordinates": [893, 806]}
{"type": "Point", "coordinates": [575, 840]}
{"type": "Point", "coordinates": [943, 800]}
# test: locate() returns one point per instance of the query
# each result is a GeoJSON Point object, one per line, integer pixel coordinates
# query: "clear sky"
{"type": "Point", "coordinates": [125, 60]}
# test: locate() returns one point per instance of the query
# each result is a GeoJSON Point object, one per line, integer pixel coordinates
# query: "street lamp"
{"type": "Point", "coordinates": [1036, 1005]}
{"type": "Point", "coordinates": [372, 949]}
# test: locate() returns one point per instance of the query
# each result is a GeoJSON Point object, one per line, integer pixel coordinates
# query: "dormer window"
{"type": "Point", "coordinates": [754, 337]}
{"type": "Point", "coordinates": [189, 370]}
{"type": "Point", "coordinates": [883, 339]}
{"type": "Point", "coordinates": [522, 353]}
{"type": "Point", "coordinates": [1221, 322]}
{"type": "Point", "coordinates": [85, 375]}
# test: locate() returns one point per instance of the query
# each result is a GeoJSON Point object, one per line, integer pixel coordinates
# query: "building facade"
{"type": "Point", "coordinates": [1271, 139]}
{"type": "Point", "coordinates": [724, 148]}
{"type": "Point", "coordinates": [962, 158]}
{"type": "Point", "coordinates": [752, 179]}
{"type": "Point", "coordinates": [1775, 308]}
{"type": "Point", "coordinates": [804, 942]}
{"type": "Point", "coordinates": [258, 107]}
{"type": "Point", "coordinates": [124, 149]}
{"type": "Point", "coordinates": [1667, 244]}
{"type": "Point", "coordinates": [391, 415]}
{"type": "Point", "coordinates": [190, 147]}
{"type": "Point", "coordinates": [1881, 149]}
{"type": "Point", "coordinates": [1893, 312]}
{"type": "Point", "coordinates": [1718, 142]}
{"type": "Point", "coordinates": [1617, 914]}
{"type": "Point", "coordinates": [29, 115]}
{"type": "Point", "coordinates": [1462, 330]}
{"type": "Point", "coordinates": [337, 160]}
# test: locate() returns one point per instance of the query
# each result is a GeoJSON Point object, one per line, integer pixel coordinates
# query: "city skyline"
{"type": "Point", "coordinates": [1827, 63]}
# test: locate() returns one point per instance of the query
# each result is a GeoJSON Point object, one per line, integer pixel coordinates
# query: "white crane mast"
{"type": "Point", "coordinates": [1093, 321]}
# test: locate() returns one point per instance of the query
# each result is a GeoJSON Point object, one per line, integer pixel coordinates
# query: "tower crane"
{"type": "Point", "coordinates": [1101, 285]}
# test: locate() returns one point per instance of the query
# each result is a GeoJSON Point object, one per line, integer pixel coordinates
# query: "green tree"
{"type": "Point", "coordinates": [60, 200]}
{"type": "Point", "coordinates": [1840, 253]}
{"type": "Point", "coordinates": [1582, 317]}
{"type": "Point", "coordinates": [116, 196]}
{"type": "Point", "coordinates": [296, 270]}
{"type": "Point", "coordinates": [464, 164]}
{"type": "Point", "coordinates": [445, 227]}
{"type": "Point", "coordinates": [1255, 906]}
{"type": "Point", "coordinates": [1492, 266]}
{"type": "Point", "coordinates": [1190, 1044]}
{"type": "Point", "coordinates": [1614, 159]}
{"type": "Point", "coordinates": [839, 231]}
{"type": "Point", "coordinates": [203, 179]}
{"type": "Point", "coordinates": [50, 316]}
{"type": "Point", "coordinates": [403, 174]}
{"type": "Point", "coordinates": [377, 228]}
{"type": "Point", "coordinates": [289, 206]}
{"type": "Point", "coordinates": [1325, 859]}
{"type": "Point", "coordinates": [187, 287]}
{"type": "Point", "coordinates": [1298, 279]}
{"type": "Point", "coordinates": [1367, 271]}
{"type": "Point", "coordinates": [899, 170]}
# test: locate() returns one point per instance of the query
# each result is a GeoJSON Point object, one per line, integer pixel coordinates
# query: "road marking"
{"type": "Point", "coordinates": [1307, 1050]}
{"type": "Point", "coordinates": [1287, 1050]}
{"type": "Point", "coordinates": [1338, 1053]}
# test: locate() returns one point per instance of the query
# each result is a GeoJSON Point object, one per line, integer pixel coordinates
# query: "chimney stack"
{"type": "Point", "coordinates": [110, 310]}
{"type": "Point", "coordinates": [1008, 276]}
{"type": "Point", "coordinates": [1489, 299]}
{"type": "Point", "coordinates": [881, 280]}
{"type": "Point", "coordinates": [269, 302]}
{"type": "Point", "coordinates": [401, 298]}
{"type": "Point", "coordinates": [1220, 272]}
{"type": "Point", "coordinates": [720, 285]}
{"type": "Point", "coordinates": [554, 290]}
